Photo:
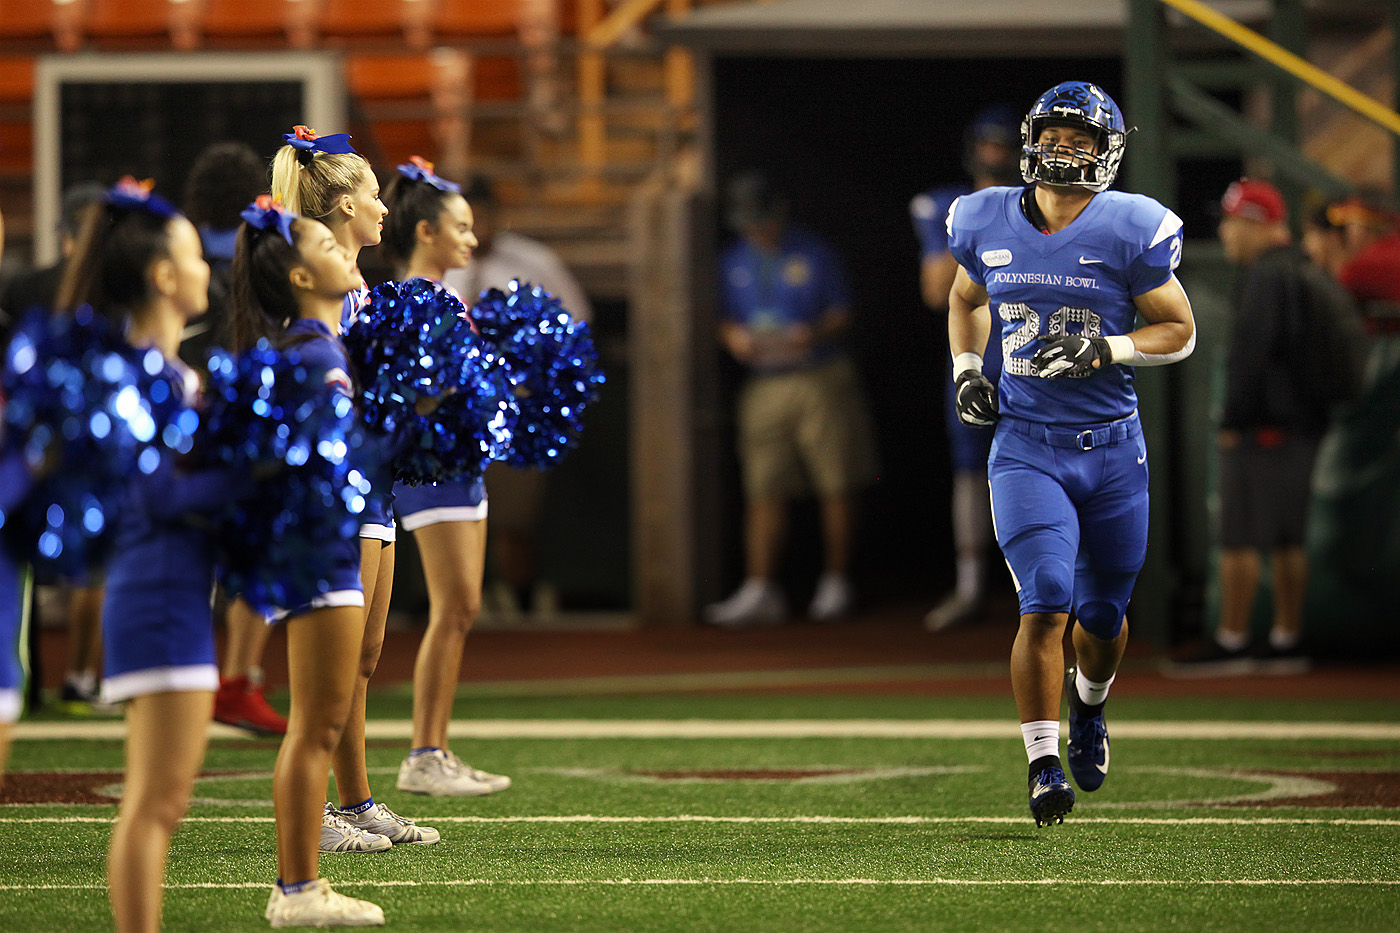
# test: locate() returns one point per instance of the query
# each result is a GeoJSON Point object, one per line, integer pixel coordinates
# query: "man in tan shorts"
{"type": "Point", "coordinates": [803, 420]}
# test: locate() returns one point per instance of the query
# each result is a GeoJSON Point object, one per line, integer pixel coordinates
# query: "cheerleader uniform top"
{"type": "Point", "coordinates": [157, 627]}
{"type": "Point", "coordinates": [321, 349]}
{"type": "Point", "coordinates": [459, 500]}
{"type": "Point", "coordinates": [15, 482]}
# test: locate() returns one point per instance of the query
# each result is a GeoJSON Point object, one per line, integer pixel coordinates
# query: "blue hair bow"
{"type": "Point", "coordinates": [420, 169]}
{"type": "Point", "coordinates": [305, 139]}
{"type": "Point", "coordinates": [266, 214]}
{"type": "Point", "coordinates": [132, 195]}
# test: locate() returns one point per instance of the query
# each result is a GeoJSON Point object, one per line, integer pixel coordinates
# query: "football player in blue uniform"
{"type": "Point", "coordinates": [1066, 267]}
{"type": "Point", "coordinates": [990, 156]}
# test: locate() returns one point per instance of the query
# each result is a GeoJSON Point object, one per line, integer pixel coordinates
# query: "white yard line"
{"type": "Point", "coordinates": [773, 729]}
{"type": "Point", "coordinates": [773, 882]}
{"type": "Point", "coordinates": [881, 820]}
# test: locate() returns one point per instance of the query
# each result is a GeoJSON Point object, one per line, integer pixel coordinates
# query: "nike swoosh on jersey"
{"type": "Point", "coordinates": [1142, 459]}
{"type": "Point", "coordinates": [1088, 262]}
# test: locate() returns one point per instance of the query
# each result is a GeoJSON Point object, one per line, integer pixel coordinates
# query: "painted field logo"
{"type": "Point", "coordinates": [91, 787]}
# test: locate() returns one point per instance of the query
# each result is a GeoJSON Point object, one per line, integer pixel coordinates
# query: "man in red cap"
{"type": "Point", "coordinates": [1274, 415]}
{"type": "Point", "coordinates": [1372, 271]}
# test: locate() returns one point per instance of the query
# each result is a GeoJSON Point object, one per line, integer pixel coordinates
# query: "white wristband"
{"type": "Point", "coordinates": [1122, 348]}
{"type": "Point", "coordinates": [965, 361]}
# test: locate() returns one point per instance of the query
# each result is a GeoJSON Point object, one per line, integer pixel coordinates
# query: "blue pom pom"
{"type": "Point", "coordinates": [552, 366]}
{"type": "Point", "coordinates": [90, 411]}
{"type": "Point", "coordinates": [413, 340]}
{"type": "Point", "coordinates": [280, 421]}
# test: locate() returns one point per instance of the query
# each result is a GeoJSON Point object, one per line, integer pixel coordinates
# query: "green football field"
{"type": "Point", "coordinates": [776, 813]}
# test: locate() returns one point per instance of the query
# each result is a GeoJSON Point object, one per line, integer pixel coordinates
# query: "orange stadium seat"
{"type": "Point", "coordinates": [126, 19]}
{"type": "Point", "coordinates": [26, 19]}
{"type": "Point", "coordinates": [360, 18]}
{"type": "Point", "coordinates": [240, 19]}
{"type": "Point", "coordinates": [399, 139]}
{"type": "Point", "coordinates": [16, 80]}
{"type": "Point", "coordinates": [465, 19]}
{"type": "Point", "coordinates": [497, 77]}
{"type": "Point", "coordinates": [387, 77]}
{"type": "Point", "coordinates": [16, 147]}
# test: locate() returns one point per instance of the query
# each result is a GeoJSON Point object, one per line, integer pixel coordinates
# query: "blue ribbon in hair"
{"type": "Point", "coordinates": [306, 140]}
{"type": "Point", "coordinates": [132, 195]}
{"type": "Point", "coordinates": [420, 169]}
{"type": "Point", "coordinates": [266, 214]}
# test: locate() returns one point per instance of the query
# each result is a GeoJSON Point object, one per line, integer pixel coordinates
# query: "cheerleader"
{"type": "Point", "coordinates": [429, 231]}
{"type": "Point", "coordinates": [322, 177]}
{"type": "Point", "coordinates": [15, 483]}
{"type": "Point", "coordinates": [290, 277]}
{"type": "Point", "coordinates": [139, 263]}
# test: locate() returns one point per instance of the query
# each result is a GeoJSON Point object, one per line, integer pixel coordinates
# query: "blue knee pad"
{"type": "Point", "coordinates": [1049, 587]}
{"type": "Point", "coordinates": [1100, 618]}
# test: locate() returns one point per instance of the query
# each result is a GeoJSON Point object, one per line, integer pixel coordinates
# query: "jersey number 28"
{"type": "Point", "coordinates": [1090, 325]}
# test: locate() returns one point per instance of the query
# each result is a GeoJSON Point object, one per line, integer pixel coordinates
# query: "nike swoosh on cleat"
{"type": "Point", "coordinates": [1088, 262]}
{"type": "Point", "coordinates": [1103, 768]}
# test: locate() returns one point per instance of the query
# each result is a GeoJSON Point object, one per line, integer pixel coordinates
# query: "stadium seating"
{"type": "Point", "coordinates": [237, 22]}
{"type": "Point", "coordinates": [471, 19]}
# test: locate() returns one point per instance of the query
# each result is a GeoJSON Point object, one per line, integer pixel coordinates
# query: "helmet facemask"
{"type": "Point", "coordinates": [1079, 106]}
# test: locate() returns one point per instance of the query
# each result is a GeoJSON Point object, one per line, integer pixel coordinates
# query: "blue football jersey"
{"type": "Point", "coordinates": [1082, 279]}
{"type": "Point", "coordinates": [929, 212]}
{"type": "Point", "coordinates": [798, 285]}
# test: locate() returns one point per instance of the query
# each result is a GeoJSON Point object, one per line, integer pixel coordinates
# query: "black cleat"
{"type": "Point", "coordinates": [1051, 796]}
{"type": "Point", "coordinates": [1088, 739]}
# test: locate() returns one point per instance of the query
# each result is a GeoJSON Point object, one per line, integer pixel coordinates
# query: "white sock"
{"type": "Point", "coordinates": [1283, 641]}
{"type": "Point", "coordinates": [970, 577]}
{"type": "Point", "coordinates": [1091, 693]}
{"type": "Point", "coordinates": [1042, 738]}
{"type": "Point", "coordinates": [1231, 641]}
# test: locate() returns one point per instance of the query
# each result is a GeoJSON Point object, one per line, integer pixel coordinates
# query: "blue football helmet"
{"type": "Point", "coordinates": [1083, 106]}
{"type": "Point", "coordinates": [998, 124]}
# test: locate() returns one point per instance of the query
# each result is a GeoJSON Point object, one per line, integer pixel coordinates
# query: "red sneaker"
{"type": "Point", "coordinates": [239, 703]}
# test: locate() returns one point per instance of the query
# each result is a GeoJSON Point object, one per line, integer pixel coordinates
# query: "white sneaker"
{"type": "Point", "coordinates": [380, 820]}
{"type": "Point", "coordinates": [319, 906]}
{"type": "Point", "coordinates": [494, 781]}
{"type": "Point", "coordinates": [955, 609]}
{"type": "Point", "coordinates": [338, 834]}
{"type": "Point", "coordinates": [833, 598]}
{"type": "Point", "coordinates": [756, 603]}
{"type": "Point", "coordinates": [442, 774]}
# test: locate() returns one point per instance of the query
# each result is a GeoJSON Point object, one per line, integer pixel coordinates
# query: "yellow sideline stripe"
{"type": "Point", "coordinates": [1300, 68]}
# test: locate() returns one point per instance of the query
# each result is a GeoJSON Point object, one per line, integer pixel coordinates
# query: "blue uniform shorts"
{"type": "Point", "coordinates": [1069, 504]}
{"type": "Point", "coordinates": [12, 595]}
{"type": "Point", "coordinates": [457, 501]}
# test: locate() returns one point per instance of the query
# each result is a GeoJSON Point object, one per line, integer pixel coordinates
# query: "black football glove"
{"type": "Point", "coordinates": [975, 399]}
{"type": "Point", "coordinates": [1071, 355]}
